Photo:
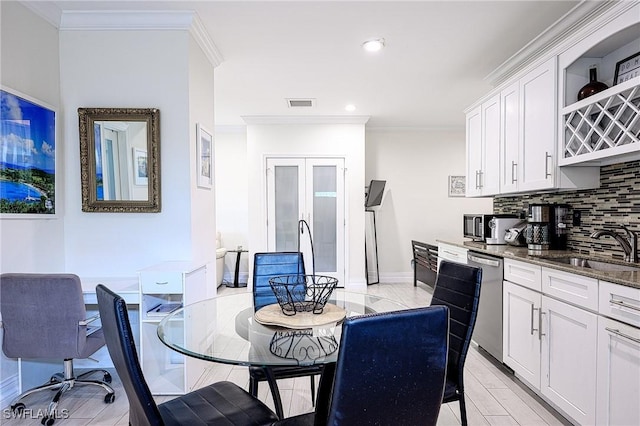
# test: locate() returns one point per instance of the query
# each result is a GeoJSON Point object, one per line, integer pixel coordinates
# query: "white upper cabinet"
{"type": "Point", "coordinates": [483, 148]}
{"type": "Point", "coordinates": [537, 125]}
{"type": "Point", "coordinates": [474, 153]}
{"type": "Point", "coordinates": [510, 137]}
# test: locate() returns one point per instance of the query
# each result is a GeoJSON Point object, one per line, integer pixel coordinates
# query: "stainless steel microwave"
{"type": "Point", "coordinates": [477, 226]}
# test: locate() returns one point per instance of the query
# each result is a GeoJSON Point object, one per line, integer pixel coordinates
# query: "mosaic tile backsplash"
{"type": "Point", "coordinates": [616, 202]}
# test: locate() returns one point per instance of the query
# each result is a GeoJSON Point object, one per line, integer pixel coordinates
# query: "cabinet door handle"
{"type": "Point", "coordinates": [546, 164]}
{"type": "Point", "coordinates": [623, 304]}
{"type": "Point", "coordinates": [480, 173]}
{"type": "Point", "coordinates": [162, 283]}
{"type": "Point", "coordinates": [451, 253]}
{"type": "Point", "coordinates": [534, 329]}
{"type": "Point", "coordinates": [617, 332]}
{"type": "Point", "coordinates": [540, 334]}
{"type": "Point", "coordinates": [477, 184]}
{"type": "Point", "coordinates": [514, 169]}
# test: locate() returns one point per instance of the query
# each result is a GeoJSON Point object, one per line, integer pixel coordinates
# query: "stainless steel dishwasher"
{"type": "Point", "coordinates": [488, 330]}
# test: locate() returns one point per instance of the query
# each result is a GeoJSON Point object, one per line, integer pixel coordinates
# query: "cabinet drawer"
{"type": "Point", "coordinates": [452, 253]}
{"type": "Point", "coordinates": [576, 289]}
{"type": "Point", "coordinates": [161, 282]}
{"type": "Point", "coordinates": [620, 302]}
{"type": "Point", "coordinates": [523, 273]}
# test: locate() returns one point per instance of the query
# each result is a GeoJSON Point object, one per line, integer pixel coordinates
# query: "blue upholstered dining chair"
{"type": "Point", "coordinates": [44, 317]}
{"type": "Point", "coordinates": [458, 288]}
{"type": "Point", "coordinates": [265, 267]}
{"type": "Point", "coordinates": [221, 403]}
{"type": "Point", "coordinates": [390, 370]}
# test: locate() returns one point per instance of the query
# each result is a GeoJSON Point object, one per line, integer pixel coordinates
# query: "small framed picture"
{"type": "Point", "coordinates": [140, 169]}
{"type": "Point", "coordinates": [205, 157]}
{"type": "Point", "coordinates": [627, 69]}
{"type": "Point", "coordinates": [456, 186]}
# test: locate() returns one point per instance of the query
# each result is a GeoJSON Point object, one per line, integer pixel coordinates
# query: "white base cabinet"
{"type": "Point", "coordinates": [618, 394]}
{"type": "Point", "coordinates": [520, 336]}
{"type": "Point", "coordinates": [569, 336]}
{"type": "Point", "coordinates": [166, 371]}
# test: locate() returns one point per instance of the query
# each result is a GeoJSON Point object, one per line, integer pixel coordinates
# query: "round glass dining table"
{"type": "Point", "coordinates": [223, 329]}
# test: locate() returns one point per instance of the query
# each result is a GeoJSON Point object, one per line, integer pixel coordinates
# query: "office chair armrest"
{"type": "Point", "coordinates": [89, 320]}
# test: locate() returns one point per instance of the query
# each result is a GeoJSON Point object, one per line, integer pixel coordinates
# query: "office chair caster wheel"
{"type": "Point", "coordinates": [18, 408]}
{"type": "Point", "coordinates": [109, 398]}
{"type": "Point", "coordinates": [47, 421]}
{"type": "Point", "coordinates": [106, 378]}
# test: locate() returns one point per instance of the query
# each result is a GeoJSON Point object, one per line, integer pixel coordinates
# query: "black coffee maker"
{"type": "Point", "coordinates": [547, 227]}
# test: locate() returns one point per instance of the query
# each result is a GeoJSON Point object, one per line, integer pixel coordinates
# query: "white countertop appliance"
{"type": "Point", "coordinates": [499, 227]}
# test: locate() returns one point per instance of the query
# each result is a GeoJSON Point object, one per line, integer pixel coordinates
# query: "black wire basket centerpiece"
{"type": "Point", "coordinates": [302, 345]}
{"type": "Point", "coordinates": [302, 293]}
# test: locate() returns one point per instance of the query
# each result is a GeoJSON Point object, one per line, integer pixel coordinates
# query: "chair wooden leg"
{"type": "Point", "coordinates": [463, 411]}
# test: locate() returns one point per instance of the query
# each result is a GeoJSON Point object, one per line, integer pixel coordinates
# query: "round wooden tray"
{"type": "Point", "coordinates": [272, 315]}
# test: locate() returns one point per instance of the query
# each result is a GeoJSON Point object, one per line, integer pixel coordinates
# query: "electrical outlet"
{"type": "Point", "coordinates": [577, 217]}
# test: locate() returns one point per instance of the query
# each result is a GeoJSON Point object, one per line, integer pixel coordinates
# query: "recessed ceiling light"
{"type": "Point", "coordinates": [350, 107]}
{"type": "Point", "coordinates": [373, 45]}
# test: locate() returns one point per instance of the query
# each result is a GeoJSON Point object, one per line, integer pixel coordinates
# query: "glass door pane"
{"type": "Point", "coordinates": [286, 207]}
{"type": "Point", "coordinates": [324, 217]}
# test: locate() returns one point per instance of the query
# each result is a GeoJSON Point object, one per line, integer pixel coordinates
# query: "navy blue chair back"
{"type": "Point", "coordinates": [458, 288]}
{"type": "Point", "coordinates": [391, 369]}
{"type": "Point", "coordinates": [269, 265]}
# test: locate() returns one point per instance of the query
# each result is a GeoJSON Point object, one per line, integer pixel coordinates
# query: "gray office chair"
{"type": "Point", "coordinates": [44, 317]}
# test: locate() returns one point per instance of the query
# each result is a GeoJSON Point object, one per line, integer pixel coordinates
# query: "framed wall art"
{"type": "Point", "coordinates": [627, 69]}
{"type": "Point", "coordinates": [27, 156]}
{"type": "Point", "coordinates": [456, 186]}
{"type": "Point", "coordinates": [205, 157]}
{"type": "Point", "coordinates": [140, 169]}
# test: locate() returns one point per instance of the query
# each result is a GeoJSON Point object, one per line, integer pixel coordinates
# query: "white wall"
{"type": "Point", "coordinates": [416, 165]}
{"type": "Point", "coordinates": [203, 200]}
{"type": "Point", "coordinates": [144, 69]}
{"type": "Point", "coordinates": [308, 140]}
{"type": "Point", "coordinates": [30, 65]}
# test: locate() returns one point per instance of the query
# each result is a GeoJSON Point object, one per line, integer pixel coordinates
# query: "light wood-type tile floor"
{"type": "Point", "coordinates": [494, 396]}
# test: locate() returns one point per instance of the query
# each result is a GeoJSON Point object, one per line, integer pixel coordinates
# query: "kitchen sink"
{"type": "Point", "coordinates": [597, 265]}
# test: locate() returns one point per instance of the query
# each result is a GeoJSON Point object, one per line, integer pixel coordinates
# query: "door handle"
{"type": "Point", "coordinates": [534, 329]}
{"type": "Point", "coordinates": [540, 333]}
{"type": "Point", "coordinates": [617, 332]}
{"type": "Point", "coordinates": [514, 169]}
{"type": "Point", "coordinates": [546, 165]}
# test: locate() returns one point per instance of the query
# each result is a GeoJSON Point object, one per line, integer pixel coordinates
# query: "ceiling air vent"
{"type": "Point", "coordinates": [301, 103]}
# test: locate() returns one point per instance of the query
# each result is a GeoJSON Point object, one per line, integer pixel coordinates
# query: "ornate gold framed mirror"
{"type": "Point", "coordinates": [120, 159]}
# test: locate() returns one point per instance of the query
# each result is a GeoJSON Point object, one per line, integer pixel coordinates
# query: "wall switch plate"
{"type": "Point", "coordinates": [577, 217]}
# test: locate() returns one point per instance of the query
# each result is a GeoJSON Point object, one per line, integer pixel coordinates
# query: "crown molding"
{"type": "Point", "coordinates": [122, 20]}
{"type": "Point", "coordinates": [565, 28]}
{"type": "Point", "coordinates": [48, 11]}
{"type": "Point", "coordinates": [305, 119]}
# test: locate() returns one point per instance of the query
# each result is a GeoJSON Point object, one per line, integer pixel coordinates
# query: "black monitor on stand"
{"type": "Point", "coordinates": [373, 198]}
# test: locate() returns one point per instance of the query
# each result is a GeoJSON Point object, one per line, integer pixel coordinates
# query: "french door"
{"type": "Point", "coordinates": [309, 189]}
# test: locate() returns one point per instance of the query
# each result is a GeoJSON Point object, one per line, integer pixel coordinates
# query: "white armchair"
{"type": "Point", "coordinates": [220, 253]}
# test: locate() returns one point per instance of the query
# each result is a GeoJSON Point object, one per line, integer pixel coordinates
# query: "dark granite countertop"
{"type": "Point", "coordinates": [626, 278]}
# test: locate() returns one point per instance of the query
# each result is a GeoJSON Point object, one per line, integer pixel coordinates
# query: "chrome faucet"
{"type": "Point", "coordinates": [629, 243]}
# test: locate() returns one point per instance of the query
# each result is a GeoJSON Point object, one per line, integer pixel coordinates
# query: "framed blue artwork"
{"type": "Point", "coordinates": [27, 156]}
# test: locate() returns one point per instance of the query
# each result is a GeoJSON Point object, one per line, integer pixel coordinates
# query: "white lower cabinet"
{"type": "Point", "coordinates": [166, 371]}
{"type": "Point", "coordinates": [551, 344]}
{"type": "Point", "coordinates": [569, 336]}
{"type": "Point", "coordinates": [618, 394]}
{"type": "Point", "coordinates": [520, 336]}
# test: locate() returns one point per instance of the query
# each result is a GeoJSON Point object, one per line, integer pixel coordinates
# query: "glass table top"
{"type": "Point", "coordinates": [224, 330]}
